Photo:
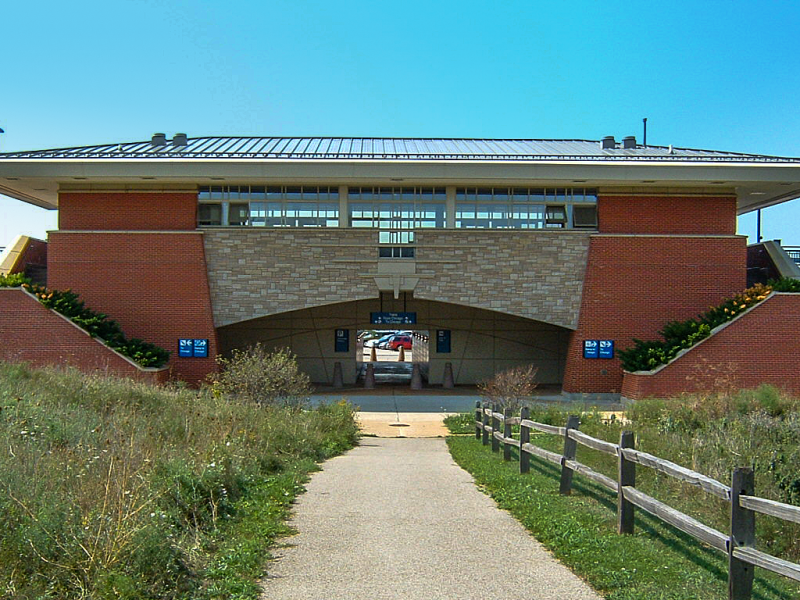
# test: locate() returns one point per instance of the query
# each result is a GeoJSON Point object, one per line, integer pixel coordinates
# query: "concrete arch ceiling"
{"type": "Point", "coordinates": [483, 341]}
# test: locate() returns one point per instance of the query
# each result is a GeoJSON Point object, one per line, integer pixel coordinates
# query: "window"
{"type": "Point", "coordinates": [397, 212]}
{"type": "Point", "coordinates": [209, 214]}
{"type": "Point", "coordinates": [271, 206]}
{"type": "Point", "coordinates": [584, 217]}
{"type": "Point", "coordinates": [556, 216]}
{"type": "Point", "coordinates": [522, 208]}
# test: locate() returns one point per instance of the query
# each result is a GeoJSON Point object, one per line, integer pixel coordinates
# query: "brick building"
{"type": "Point", "coordinates": [506, 251]}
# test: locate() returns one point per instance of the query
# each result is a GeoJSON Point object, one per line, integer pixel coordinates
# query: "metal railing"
{"type": "Point", "coordinates": [793, 252]}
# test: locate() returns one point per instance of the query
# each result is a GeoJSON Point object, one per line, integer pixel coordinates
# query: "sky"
{"type": "Point", "coordinates": [711, 75]}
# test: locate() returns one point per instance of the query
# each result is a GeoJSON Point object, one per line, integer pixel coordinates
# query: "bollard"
{"type": "Point", "coordinates": [369, 377]}
{"type": "Point", "coordinates": [373, 355]}
{"type": "Point", "coordinates": [338, 381]}
{"type": "Point", "coordinates": [448, 383]}
{"type": "Point", "coordinates": [402, 356]}
{"type": "Point", "coordinates": [416, 377]}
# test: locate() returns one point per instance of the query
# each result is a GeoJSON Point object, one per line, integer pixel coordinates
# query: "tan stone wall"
{"type": "Point", "coordinates": [259, 272]}
{"type": "Point", "coordinates": [533, 274]}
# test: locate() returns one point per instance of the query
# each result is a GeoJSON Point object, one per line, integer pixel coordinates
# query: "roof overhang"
{"type": "Point", "coordinates": [755, 184]}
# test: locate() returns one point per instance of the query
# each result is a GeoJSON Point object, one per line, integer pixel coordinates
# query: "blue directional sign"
{"type": "Point", "coordinates": [200, 349]}
{"type": "Point", "coordinates": [591, 348]}
{"type": "Point", "coordinates": [342, 340]}
{"type": "Point", "coordinates": [393, 318]}
{"type": "Point", "coordinates": [606, 349]}
{"type": "Point", "coordinates": [185, 348]}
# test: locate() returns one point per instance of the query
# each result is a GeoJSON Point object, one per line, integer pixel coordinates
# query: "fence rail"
{"type": "Point", "coordinates": [492, 426]}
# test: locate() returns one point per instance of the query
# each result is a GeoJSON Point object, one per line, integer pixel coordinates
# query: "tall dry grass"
{"type": "Point", "coordinates": [110, 488]}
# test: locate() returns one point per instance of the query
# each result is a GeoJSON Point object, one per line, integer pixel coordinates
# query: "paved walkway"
{"type": "Point", "coordinates": [397, 518]}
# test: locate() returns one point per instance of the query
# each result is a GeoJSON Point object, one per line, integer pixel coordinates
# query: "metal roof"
{"type": "Point", "coordinates": [331, 148]}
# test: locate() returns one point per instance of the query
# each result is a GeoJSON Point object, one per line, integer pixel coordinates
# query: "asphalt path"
{"type": "Point", "coordinates": [397, 518]}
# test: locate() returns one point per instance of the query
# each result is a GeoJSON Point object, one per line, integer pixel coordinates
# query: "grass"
{"type": "Point", "coordinates": [657, 562]}
{"type": "Point", "coordinates": [114, 489]}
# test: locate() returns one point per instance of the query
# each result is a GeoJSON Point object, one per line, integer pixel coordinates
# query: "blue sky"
{"type": "Point", "coordinates": [717, 75]}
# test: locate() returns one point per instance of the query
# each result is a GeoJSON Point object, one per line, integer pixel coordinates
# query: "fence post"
{"type": "Point", "coordinates": [570, 447]}
{"type": "Point", "coordinates": [485, 421]}
{"type": "Point", "coordinates": [743, 533]}
{"type": "Point", "coordinates": [478, 428]}
{"type": "Point", "coordinates": [524, 438]}
{"type": "Point", "coordinates": [495, 427]}
{"type": "Point", "coordinates": [626, 475]}
{"type": "Point", "coordinates": [506, 434]}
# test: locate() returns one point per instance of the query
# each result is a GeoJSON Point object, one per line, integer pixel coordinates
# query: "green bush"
{"type": "Point", "coordinates": [646, 355]}
{"type": "Point", "coordinates": [266, 378]}
{"type": "Point", "coordinates": [98, 325]}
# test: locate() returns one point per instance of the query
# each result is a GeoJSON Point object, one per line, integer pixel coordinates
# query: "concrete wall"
{"type": "Point", "coordinates": [533, 274]}
{"type": "Point", "coordinates": [483, 342]}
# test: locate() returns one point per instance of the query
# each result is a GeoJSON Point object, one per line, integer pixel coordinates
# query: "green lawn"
{"type": "Point", "coordinates": [657, 562]}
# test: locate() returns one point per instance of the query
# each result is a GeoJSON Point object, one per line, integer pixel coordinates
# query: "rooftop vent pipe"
{"type": "Point", "coordinates": [608, 142]}
{"type": "Point", "coordinates": [629, 142]}
{"type": "Point", "coordinates": [179, 139]}
{"type": "Point", "coordinates": [159, 139]}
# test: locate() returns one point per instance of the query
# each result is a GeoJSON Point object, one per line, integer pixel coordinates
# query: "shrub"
{"type": "Point", "coordinates": [267, 378]}
{"type": "Point", "coordinates": [510, 388]}
{"type": "Point", "coordinates": [680, 335]}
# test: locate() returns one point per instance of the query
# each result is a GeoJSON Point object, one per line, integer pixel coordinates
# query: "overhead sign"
{"type": "Point", "coordinates": [598, 348]}
{"type": "Point", "coordinates": [393, 318]}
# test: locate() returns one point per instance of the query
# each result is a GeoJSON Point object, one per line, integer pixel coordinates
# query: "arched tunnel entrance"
{"type": "Point", "coordinates": [476, 342]}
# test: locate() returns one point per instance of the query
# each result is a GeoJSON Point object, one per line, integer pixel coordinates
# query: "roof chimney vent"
{"type": "Point", "coordinates": [629, 142]}
{"type": "Point", "coordinates": [179, 139]}
{"type": "Point", "coordinates": [159, 139]}
{"type": "Point", "coordinates": [608, 143]}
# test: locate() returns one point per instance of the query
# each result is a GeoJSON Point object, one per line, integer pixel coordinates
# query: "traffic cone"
{"type": "Point", "coordinates": [402, 356]}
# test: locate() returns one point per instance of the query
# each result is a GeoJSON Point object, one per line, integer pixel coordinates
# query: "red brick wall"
{"type": "Point", "coordinates": [699, 215]}
{"type": "Point", "coordinates": [635, 283]}
{"type": "Point", "coordinates": [154, 284]}
{"type": "Point", "coordinates": [134, 211]}
{"type": "Point", "coordinates": [761, 346]}
{"type": "Point", "coordinates": [31, 333]}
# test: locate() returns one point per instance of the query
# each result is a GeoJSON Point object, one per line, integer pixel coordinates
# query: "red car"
{"type": "Point", "coordinates": [399, 341]}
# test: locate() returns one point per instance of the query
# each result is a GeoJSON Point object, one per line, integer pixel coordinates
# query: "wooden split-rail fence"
{"type": "Point", "coordinates": [738, 543]}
